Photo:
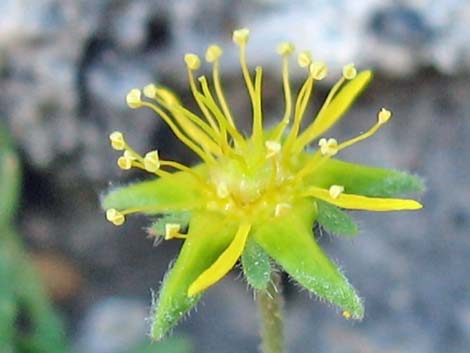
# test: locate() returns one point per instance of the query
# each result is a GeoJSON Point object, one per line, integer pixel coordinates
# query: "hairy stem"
{"type": "Point", "coordinates": [270, 305]}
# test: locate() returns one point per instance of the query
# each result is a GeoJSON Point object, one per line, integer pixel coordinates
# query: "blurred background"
{"type": "Point", "coordinates": [65, 68]}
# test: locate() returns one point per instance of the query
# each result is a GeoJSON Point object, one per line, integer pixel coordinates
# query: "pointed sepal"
{"type": "Point", "coordinates": [256, 265]}
{"type": "Point", "coordinates": [178, 189]}
{"type": "Point", "coordinates": [208, 237]}
{"type": "Point", "coordinates": [289, 241]}
{"type": "Point", "coordinates": [364, 180]}
{"type": "Point", "coordinates": [335, 220]}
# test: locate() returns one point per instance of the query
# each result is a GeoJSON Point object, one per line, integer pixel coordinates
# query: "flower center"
{"type": "Point", "coordinates": [252, 179]}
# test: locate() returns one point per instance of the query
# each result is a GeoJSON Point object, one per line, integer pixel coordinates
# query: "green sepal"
{"type": "Point", "coordinates": [179, 188]}
{"type": "Point", "coordinates": [256, 265]}
{"type": "Point", "coordinates": [158, 227]}
{"type": "Point", "coordinates": [289, 241]}
{"type": "Point", "coordinates": [364, 180]}
{"type": "Point", "coordinates": [335, 220]}
{"type": "Point", "coordinates": [208, 236]}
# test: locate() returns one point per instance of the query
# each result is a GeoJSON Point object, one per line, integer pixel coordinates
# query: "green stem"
{"type": "Point", "coordinates": [270, 305]}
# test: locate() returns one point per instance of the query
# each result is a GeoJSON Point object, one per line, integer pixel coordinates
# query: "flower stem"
{"type": "Point", "coordinates": [270, 305]}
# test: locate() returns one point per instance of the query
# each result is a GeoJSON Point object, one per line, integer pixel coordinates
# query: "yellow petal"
{"type": "Point", "coordinates": [223, 264]}
{"type": "Point", "coordinates": [329, 114]}
{"type": "Point", "coordinates": [358, 202]}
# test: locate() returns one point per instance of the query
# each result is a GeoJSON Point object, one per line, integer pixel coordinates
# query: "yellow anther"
{"type": "Point", "coordinates": [130, 154]}
{"type": "Point", "coordinates": [150, 91]}
{"type": "Point", "coordinates": [124, 162]}
{"type": "Point", "coordinates": [241, 36]}
{"type": "Point", "coordinates": [328, 147]}
{"type": "Point", "coordinates": [117, 140]}
{"type": "Point", "coordinates": [335, 191]}
{"type": "Point", "coordinates": [285, 48]}
{"type": "Point", "coordinates": [384, 116]}
{"type": "Point", "coordinates": [151, 161]}
{"type": "Point", "coordinates": [318, 70]}
{"type": "Point", "coordinates": [167, 96]}
{"type": "Point", "coordinates": [349, 71]}
{"type": "Point", "coordinates": [213, 53]}
{"type": "Point", "coordinates": [133, 98]}
{"type": "Point", "coordinates": [222, 190]}
{"type": "Point", "coordinates": [347, 314]}
{"type": "Point", "coordinates": [305, 58]}
{"type": "Point", "coordinates": [192, 61]}
{"type": "Point", "coordinates": [172, 230]}
{"type": "Point", "coordinates": [282, 209]}
{"type": "Point", "coordinates": [273, 148]}
{"type": "Point", "coordinates": [115, 217]}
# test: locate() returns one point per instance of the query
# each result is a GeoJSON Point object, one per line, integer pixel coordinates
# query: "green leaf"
{"type": "Point", "coordinates": [364, 180]}
{"type": "Point", "coordinates": [289, 241]}
{"type": "Point", "coordinates": [158, 227]}
{"type": "Point", "coordinates": [256, 265]}
{"type": "Point", "coordinates": [334, 220]}
{"type": "Point", "coordinates": [179, 188]}
{"type": "Point", "coordinates": [10, 178]}
{"type": "Point", "coordinates": [209, 234]}
{"type": "Point", "coordinates": [21, 283]}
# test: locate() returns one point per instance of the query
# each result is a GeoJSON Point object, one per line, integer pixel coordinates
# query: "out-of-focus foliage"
{"type": "Point", "coordinates": [28, 323]}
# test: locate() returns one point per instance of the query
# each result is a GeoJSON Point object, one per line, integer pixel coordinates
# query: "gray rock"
{"type": "Point", "coordinates": [113, 325]}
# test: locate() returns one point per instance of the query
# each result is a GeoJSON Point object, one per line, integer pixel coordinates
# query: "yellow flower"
{"type": "Point", "coordinates": [254, 196]}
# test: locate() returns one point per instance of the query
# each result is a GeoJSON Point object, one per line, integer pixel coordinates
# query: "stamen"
{"type": "Point", "coordinates": [346, 314]}
{"type": "Point", "coordinates": [150, 91]}
{"type": "Point", "coordinates": [257, 108]}
{"type": "Point", "coordinates": [349, 71]}
{"type": "Point", "coordinates": [300, 107]}
{"type": "Point", "coordinates": [117, 140]}
{"type": "Point", "coordinates": [185, 119]}
{"type": "Point", "coordinates": [216, 112]}
{"type": "Point", "coordinates": [184, 168]}
{"type": "Point", "coordinates": [273, 148]}
{"type": "Point", "coordinates": [125, 163]}
{"type": "Point", "coordinates": [208, 158]}
{"type": "Point", "coordinates": [213, 54]}
{"type": "Point", "coordinates": [318, 70]}
{"type": "Point", "coordinates": [172, 230]}
{"type": "Point", "coordinates": [192, 61]}
{"type": "Point", "coordinates": [285, 49]}
{"type": "Point", "coordinates": [383, 116]}
{"type": "Point", "coordinates": [328, 147]}
{"type": "Point", "coordinates": [152, 161]}
{"type": "Point", "coordinates": [132, 155]}
{"type": "Point", "coordinates": [282, 209]}
{"type": "Point", "coordinates": [305, 58]}
{"type": "Point", "coordinates": [240, 37]}
{"type": "Point", "coordinates": [115, 217]}
{"type": "Point", "coordinates": [133, 98]}
{"type": "Point", "coordinates": [335, 191]}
